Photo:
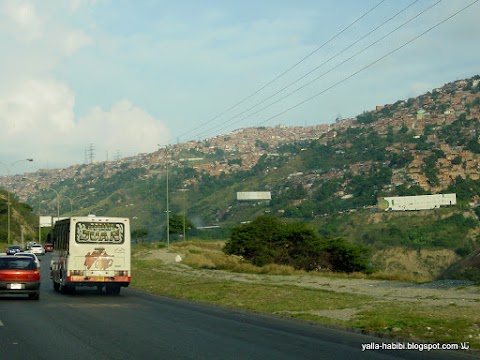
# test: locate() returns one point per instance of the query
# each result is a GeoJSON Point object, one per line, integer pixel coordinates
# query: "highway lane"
{"type": "Point", "coordinates": [135, 325]}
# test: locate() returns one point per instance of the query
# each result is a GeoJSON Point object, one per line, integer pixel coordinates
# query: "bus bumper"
{"type": "Point", "coordinates": [94, 280]}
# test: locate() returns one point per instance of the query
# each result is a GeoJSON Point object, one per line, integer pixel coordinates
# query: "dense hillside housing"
{"type": "Point", "coordinates": [424, 145]}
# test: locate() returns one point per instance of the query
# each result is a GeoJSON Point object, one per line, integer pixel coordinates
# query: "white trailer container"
{"type": "Point", "coordinates": [418, 202]}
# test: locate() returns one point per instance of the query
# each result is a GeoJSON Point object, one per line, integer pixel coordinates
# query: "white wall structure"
{"type": "Point", "coordinates": [45, 221]}
{"type": "Point", "coordinates": [254, 195]}
{"type": "Point", "coordinates": [419, 202]}
{"type": "Point", "coordinates": [49, 221]}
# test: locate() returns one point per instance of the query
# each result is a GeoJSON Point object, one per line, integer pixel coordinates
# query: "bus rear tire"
{"type": "Point", "coordinates": [66, 289]}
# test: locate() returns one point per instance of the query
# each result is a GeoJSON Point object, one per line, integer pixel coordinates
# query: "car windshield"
{"type": "Point", "coordinates": [17, 263]}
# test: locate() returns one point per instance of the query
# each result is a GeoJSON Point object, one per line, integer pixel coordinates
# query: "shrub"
{"type": "Point", "coordinates": [266, 240]}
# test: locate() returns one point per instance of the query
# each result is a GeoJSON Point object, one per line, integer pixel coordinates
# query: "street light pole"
{"type": "Point", "coordinates": [184, 213]}
{"type": "Point", "coordinates": [168, 210]}
{"type": "Point", "coordinates": [58, 202]}
{"type": "Point", "coordinates": [39, 224]}
{"type": "Point", "coordinates": [9, 167]}
{"type": "Point", "coordinates": [72, 200]}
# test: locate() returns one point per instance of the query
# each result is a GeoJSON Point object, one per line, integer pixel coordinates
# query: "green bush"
{"type": "Point", "coordinates": [346, 257]}
{"type": "Point", "coordinates": [267, 240]}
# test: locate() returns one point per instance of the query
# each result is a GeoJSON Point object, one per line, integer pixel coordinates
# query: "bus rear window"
{"type": "Point", "coordinates": [94, 232]}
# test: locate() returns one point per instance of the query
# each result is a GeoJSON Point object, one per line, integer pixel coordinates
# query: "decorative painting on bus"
{"type": "Point", "coordinates": [94, 232]}
{"type": "Point", "coordinates": [100, 258]}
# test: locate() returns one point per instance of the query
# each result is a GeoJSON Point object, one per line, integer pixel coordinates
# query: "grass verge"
{"type": "Point", "coordinates": [418, 321]}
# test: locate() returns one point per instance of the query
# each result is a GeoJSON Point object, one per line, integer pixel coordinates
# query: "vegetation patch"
{"type": "Point", "coordinates": [434, 324]}
{"type": "Point", "coordinates": [252, 296]}
{"type": "Point", "coordinates": [267, 240]}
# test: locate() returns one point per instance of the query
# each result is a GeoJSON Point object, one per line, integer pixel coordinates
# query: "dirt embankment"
{"type": "Point", "coordinates": [428, 264]}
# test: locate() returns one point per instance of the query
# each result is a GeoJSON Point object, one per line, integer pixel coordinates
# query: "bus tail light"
{"type": "Point", "coordinates": [121, 273]}
{"type": "Point", "coordinates": [77, 273]}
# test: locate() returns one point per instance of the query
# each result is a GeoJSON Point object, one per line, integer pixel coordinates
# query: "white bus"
{"type": "Point", "coordinates": [91, 251]}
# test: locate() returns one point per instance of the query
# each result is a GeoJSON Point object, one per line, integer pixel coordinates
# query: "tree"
{"type": "Point", "coordinates": [267, 240]}
{"type": "Point", "coordinates": [176, 224]}
{"type": "Point", "coordinates": [346, 257]}
{"type": "Point", "coordinates": [366, 117]}
{"type": "Point", "coordinates": [139, 234]}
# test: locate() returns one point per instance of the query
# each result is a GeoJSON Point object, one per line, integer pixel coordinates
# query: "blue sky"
{"type": "Point", "coordinates": [128, 75]}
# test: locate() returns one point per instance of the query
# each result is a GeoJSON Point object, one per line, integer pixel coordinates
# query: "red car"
{"type": "Point", "coordinates": [19, 275]}
{"type": "Point", "coordinates": [48, 247]}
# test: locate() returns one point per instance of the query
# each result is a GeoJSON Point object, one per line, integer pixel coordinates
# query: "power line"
{"type": "Point", "coordinates": [91, 153]}
{"type": "Point", "coordinates": [319, 66]}
{"type": "Point", "coordinates": [363, 68]}
{"type": "Point", "coordinates": [338, 65]}
{"type": "Point", "coordinates": [286, 71]}
{"type": "Point", "coordinates": [369, 65]}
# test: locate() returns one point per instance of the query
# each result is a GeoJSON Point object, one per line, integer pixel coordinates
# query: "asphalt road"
{"type": "Point", "coordinates": [135, 325]}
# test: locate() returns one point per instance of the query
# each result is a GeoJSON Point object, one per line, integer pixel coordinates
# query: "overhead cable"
{"type": "Point", "coordinates": [318, 67]}
{"type": "Point", "coordinates": [369, 65]}
{"type": "Point", "coordinates": [286, 71]}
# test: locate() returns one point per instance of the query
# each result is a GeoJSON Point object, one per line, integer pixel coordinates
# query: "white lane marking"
{"type": "Point", "coordinates": [1, 323]}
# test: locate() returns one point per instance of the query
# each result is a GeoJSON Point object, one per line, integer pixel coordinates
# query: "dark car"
{"type": "Point", "coordinates": [48, 247]}
{"type": "Point", "coordinates": [19, 275]}
{"type": "Point", "coordinates": [12, 249]}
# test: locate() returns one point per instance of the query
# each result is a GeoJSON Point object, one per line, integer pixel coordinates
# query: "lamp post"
{"type": "Point", "coordinates": [168, 210]}
{"type": "Point", "coordinates": [72, 200]}
{"type": "Point", "coordinates": [9, 167]}
{"type": "Point", "coordinates": [95, 211]}
{"type": "Point", "coordinates": [184, 213]}
{"type": "Point", "coordinates": [58, 202]}
{"type": "Point", "coordinates": [39, 222]}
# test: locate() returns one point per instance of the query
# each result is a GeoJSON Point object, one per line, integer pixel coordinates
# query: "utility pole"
{"type": "Point", "coordinates": [91, 153]}
{"type": "Point", "coordinates": [168, 210]}
{"type": "Point", "coordinates": [184, 214]}
{"type": "Point", "coordinates": [168, 205]}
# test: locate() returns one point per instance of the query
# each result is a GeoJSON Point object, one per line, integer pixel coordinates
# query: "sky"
{"type": "Point", "coordinates": [126, 77]}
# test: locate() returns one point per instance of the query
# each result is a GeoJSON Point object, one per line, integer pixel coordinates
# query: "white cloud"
{"type": "Point", "coordinates": [76, 5]}
{"type": "Point", "coordinates": [64, 64]}
{"type": "Point", "coordinates": [40, 107]}
{"type": "Point", "coordinates": [123, 127]}
{"type": "Point", "coordinates": [75, 40]}
{"type": "Point", "coordinates": [24, 15]}
{"type": "Point", "coordinates": [39, 122]}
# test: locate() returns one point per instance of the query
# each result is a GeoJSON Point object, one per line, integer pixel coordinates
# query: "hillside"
{"type": "Point", "coordinates": [422, 145]}
{"type": "Point", "coordinates": [23, 223]}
